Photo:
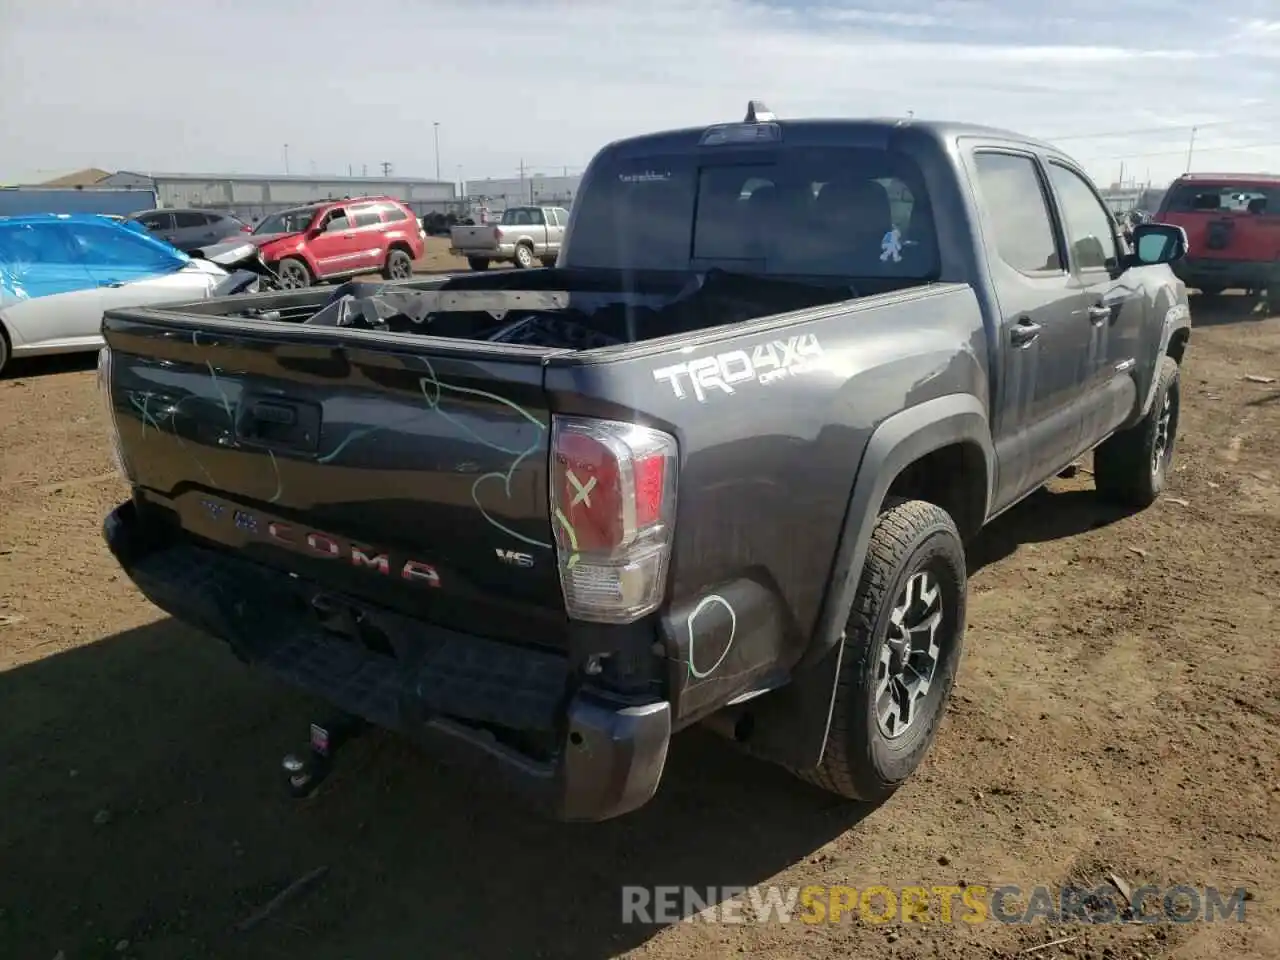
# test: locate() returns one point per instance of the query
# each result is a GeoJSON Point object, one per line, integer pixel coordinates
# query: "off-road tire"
{"type": "Point", "coordinates": [860, 762]}
{"type": "Point", "coordinates": [548, 262]}
{"type": "Point", "coordinates": [399, 265]}
{"type": "Point", "coordinates": [4, 348]}
{"type": "Point", "coordinates": [478, 263]}
{"type": "Point", "coordinates": [1127, 468]}
{"type": "Point", "coordinates": [524, 256]}
{"type": "Point", "coordinates": [294, 274]}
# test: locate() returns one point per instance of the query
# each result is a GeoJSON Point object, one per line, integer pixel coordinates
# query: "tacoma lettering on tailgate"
{"type": "Point", "coordinates": [316, 543]}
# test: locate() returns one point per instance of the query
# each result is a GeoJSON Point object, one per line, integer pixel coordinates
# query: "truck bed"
{"type": "Point", "coordinates": [547, 308]}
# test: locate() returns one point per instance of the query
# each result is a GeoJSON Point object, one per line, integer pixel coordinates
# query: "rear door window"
{"type": "Point", "coordinates": [365, 216]}
{"type": "Point", "coordinates": [1014, 199]}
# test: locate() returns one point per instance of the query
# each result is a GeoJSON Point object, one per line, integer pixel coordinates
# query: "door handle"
{"type": "Point", "coordinates": [1024, 332]}
{"type": "Point", "coordinates": [1099, 313]}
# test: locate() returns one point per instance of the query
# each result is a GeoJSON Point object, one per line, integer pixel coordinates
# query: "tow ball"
{"type": "Point", "coordinates": [304, 772]}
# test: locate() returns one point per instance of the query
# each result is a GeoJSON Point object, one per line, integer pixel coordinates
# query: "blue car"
{"type": "Point", "coordinates": [59, 272]}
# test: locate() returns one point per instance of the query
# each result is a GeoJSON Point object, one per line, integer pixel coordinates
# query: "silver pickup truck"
{"type": "Point", "coordinates": [523, 235]}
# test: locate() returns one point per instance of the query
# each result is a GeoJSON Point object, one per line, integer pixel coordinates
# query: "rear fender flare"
{"type": "Point", "coordinates": [791, 725]}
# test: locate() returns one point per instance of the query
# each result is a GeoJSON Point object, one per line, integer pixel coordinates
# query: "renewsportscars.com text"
{"type": "Point", "coordinates": [972, 904]}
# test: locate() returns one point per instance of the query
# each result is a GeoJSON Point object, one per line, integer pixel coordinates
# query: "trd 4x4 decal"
{"type": "Point", "coordinates": [764, 363]}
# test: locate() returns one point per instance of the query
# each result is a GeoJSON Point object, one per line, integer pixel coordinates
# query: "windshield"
{"type": "Point", "coordinates": [1215, 197]}
{"type": "Point", "coordinates": [287, 221]}
{"type": "Point", "coordinates": [834, 212]}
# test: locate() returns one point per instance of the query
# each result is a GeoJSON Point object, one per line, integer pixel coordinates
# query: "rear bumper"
{"type": "Point", "coordinates": [598, 758]}
{"type": "Point", "coordinates": [1194, 271]}
{"type": "Point", "coordinates": [506, 251]}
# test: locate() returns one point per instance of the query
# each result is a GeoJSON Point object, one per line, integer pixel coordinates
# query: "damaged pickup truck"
{"type": "Point", "coordinates": [718, 465]}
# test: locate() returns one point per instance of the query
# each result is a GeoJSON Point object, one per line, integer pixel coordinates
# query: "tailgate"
{"type": "Point", "coordinates": [1230, 235]}
{"type": "Point", "coordinates": [410, 477]}
{"type": "Point", "coordinates": [475, 238]}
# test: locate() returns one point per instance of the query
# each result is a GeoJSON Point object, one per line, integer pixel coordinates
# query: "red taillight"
{"type": "Point", "coordinates": [245, 228]}
{"type": "Point", "coordinates": [613, 508]}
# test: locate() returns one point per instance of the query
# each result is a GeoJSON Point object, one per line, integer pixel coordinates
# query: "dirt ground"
{"type": "Point", "coordinates": [1116, 712]}
{"type": "Point", "coordinates": [436, 258]}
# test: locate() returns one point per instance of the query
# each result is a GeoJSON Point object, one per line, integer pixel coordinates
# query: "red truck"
{"type": "Point", "coordinates": [337, 239]}
{"type": "Point", "coordinates": [1232, 222]}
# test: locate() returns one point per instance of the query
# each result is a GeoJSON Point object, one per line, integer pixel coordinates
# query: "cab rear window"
{"type": "Point", "coordinates": [823, 212]}
{"type": "Point", "coordinates": [1222, 198]}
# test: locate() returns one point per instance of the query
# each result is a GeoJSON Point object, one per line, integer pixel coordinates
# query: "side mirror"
{"type": "Point", "coordinates": [1155, 243]}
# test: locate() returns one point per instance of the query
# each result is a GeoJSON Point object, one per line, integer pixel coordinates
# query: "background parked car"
{"type": "Point", "coordinates": [189, 230]}
{"type": "Point", "coordinates": [58, 273]}
{"type": "Point", "coordinates": [339, 239]}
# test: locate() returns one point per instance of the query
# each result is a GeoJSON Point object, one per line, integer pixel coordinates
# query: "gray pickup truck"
{"type": "Point", "coordinates": [523, 235]}
{"type": "Point", "coordinates": [718, 466]}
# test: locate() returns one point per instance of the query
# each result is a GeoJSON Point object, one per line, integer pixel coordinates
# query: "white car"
{"type": "Point", "coordinates": [60, 272]}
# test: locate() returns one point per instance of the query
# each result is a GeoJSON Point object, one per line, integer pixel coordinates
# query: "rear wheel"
{"type": "Point", "coordinates": [293, 274]}
{"type": "Point", "coordinates": [902, 645]}
{"type": "Point", "coordinates": [478, 263]}
{"type": "Point", "coordinates": [399, 265]}
{"type": "Point", "coordinates": [548, 262]}
{"type": "Point", "coordinates": [524, 256]}
{"type": "Point", "coordinates": [4, 348]}
{"type": "Point", "coordinates": [1132, 467]}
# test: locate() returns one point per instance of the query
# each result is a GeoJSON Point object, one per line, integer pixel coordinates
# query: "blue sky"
{"type": "Point", "coordinates": [223, 85]}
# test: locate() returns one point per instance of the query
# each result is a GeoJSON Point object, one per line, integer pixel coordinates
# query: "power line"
{"type": "Point", "coordinates": [1200, 148]}
{"type": "Point", "coordinates": [1168, 128]}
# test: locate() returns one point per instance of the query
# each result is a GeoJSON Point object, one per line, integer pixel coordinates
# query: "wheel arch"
{"type": "Point", "coordinates": [906, 456]}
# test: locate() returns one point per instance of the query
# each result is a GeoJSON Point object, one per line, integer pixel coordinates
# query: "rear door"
{"type": "Point", "coordinates": [1042, 328]}
{"type": "Point", "coordinates": [192, 229]}
{"type": "Point", "coordinates": [371, 236]}
{"type": "Point", "coordinates": [398, 474]}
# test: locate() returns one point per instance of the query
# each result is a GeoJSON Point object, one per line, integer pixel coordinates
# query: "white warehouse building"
{"type": "Point", "coordinates": [251, 197]}
{"type": "Point", "coordinates": [535, 189]}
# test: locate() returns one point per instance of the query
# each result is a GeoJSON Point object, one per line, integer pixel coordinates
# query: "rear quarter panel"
{"type": "Point", "coordinates": [768, 459]}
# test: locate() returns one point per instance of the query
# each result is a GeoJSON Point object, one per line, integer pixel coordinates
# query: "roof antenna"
{"type": "Point", "coordinates": [757, 112]}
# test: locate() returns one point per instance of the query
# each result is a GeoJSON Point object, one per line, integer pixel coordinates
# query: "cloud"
{"type": "Point", "coordinates": [224, 84]}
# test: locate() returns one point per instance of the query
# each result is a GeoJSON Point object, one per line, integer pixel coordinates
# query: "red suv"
{"type": "Point", "coordinates": [1232, 222]}
{"type": "Point", "coordinates": [337, 239]}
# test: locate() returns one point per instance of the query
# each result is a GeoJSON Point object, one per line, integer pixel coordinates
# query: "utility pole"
{"type": "Point", "coordinates": [386, 168]}
{"type": "Point", "coordinates": [436, 129]}
{"type": "Point", "coordinates": [349, 174]}
{"type": "Point", "coordinates": [522, 197]}
{"type": "Point", "coordinates": [364, 170]}
{"type": "Point", "coordinates": [1191, 149]}
{"type": "Point", "coordinates": [286, 159]}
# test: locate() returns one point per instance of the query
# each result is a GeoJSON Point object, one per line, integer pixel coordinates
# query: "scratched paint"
{"type": "Point", "coordinates": [713, 599]}
{"type": "Point", "coordinates": [433, 389]}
